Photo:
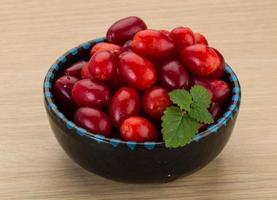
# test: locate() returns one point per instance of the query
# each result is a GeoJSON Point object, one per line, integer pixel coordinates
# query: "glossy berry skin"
{"type": "Point", "coordinates": [136, 71]}
{"type": "Point", "coordinates": [200, 39]}
{"type": "Point", "coordinates": [85, 73]}
{"type": "Point", "coordinates": [182, 37]}
{"type": "Point", "coordinates": [155, 101]}
{"type": "Point", "coordinates": [106, 46]}
{"type": "Point", "coordinates": [221, 91]}
{"type": "Point", "coordinates": [216, 110]}
{"type": "Point", "coordinates": [75, 70]}
{"type": "Point", "coordinates": [166, 32]}
{"type": "Point", "coordinates": [62, 93]}
{"type": "Point", "coordinates": [174, 75]}
{"type": "Point", "coordinates": [138, 129]}
{"type": "Point", "coordinates": [200, 81]}
{"type": "Point", "coordinates": [124, 29]}
{"type": "Point", "coordinates": [90, 93]}
{"type": "Point", "coordinates": [125, 103]}
{"type": "Point", "coordinates": [218, 74]}
{"type": "Point", "coordinates": [116, 82]}
{"type": "Point", "coordinates": [127, 46]}
{"type": "Point", "coordinates": [93, 120]}
{"type": "Point", "coordinates": [200, 59]}
{"type": "Point", "coordinates": [153, 44]}
{"type": "Point", "coordinates": [102, 65]}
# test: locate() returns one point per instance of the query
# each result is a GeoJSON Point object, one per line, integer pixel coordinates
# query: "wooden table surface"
{"type": "Point", "coordinates": [34, 33]}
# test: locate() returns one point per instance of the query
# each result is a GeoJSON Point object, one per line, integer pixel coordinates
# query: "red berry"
{"type": "Point", "coordinates": [153, 44]}
{"type": "Point", "coordinates": [102, 65]}
{"type": "Point", "coordinates": [182, 37]}
{"type": "Point", "coordinates": [75, 70]}
{"type": "Point", "coordinates": [124, 103]}
{"type": "Point", "coordinates": [93, 120]}
{"type": "Point", "coordinates": [202, 128]}
{"type": "Point", "coordinates": [90, 93]}
{"type": "Point", "coordinates": [200, 39]}
{"type": "Point", "coordinates": [138, 129]}
{"type": "Point", "coordinates": [166, 32]}
{"type": "Point", "coordinates": [62, 93]}
{"type": "Point", "coordinates": [200, 59]}
{"type": "Point", "coordinates": [105, 46]}
{"type": "Point", "coordinates": [200, 81]}
{"type": "Point", "coordinates": [137, 71]}
{"type": "Point", "coordinates": [127, 45]}
{"type": "Point", "coordinates": [116, 82]}
{"type": "Point", "coordinates": [221, 91]}
{"type": "Point", "coordinates": [85, 73]}
{"type": "Point", "coordinates": [155, 101]}
{"type": "Point", "coordinates": [218, 74]}
{"type": "Point", "coordinates": [216, 110]}
{"type": "Point", "coordinates": [124, 29]}
{"type": "Point", "coordinates": [174, 75]}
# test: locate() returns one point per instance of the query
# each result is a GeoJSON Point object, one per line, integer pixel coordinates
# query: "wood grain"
{"type": "Point", "coordinates": [34, 33]}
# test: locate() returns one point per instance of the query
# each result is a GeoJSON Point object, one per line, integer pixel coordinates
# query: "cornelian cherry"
{"type": "Point", "coordinates": [62, 92]}
{"type": "Point", "coordinates": [93, 120]}
{"type": "Point", "coordinates": [153, 44]}
{"type": "Point", "coordinates": [200, 59]}
{"type": "Point", "coordinates": [130, 74]}
{"type": "Point", "coordinates": [200, 39]}
{"type": "Point", "coordinates": [155, 101]}
{"type": "Point", "coordinates": [136, 71]}
{"type": "Point", "coordinates": [75, 70]}
{"type": "Point", "coordinates": [102, 65]}
{"type": "Point", "coordinates": [182, 37]}
{"type": "Point", "coordinates": [166, 32]}
{"type": "Point", "coordinates": [174, 75]}
{"type": "Point", "coordinates": [217, 74]}
{"type": "Point", "coordinates": [138, 129]}
{"type": "Point", "coordinates": [124, 103]}
{"type": "Point", "coordinates": [127, 45]}
{"type": "Point", "coordinates": [105, 46]}
{"type": "Point", "coordinates": [116, 82]}
{"type": "Point", "coordinates": [216, 110]}
{"type": "Point", "coordinates": [90, 93]}
{"type": "Point", "coordinates": [221, 91]}
{"type": "Point", "coordinates": [85, 73]}
{"type": "Point", "coordinates": [124, 29]}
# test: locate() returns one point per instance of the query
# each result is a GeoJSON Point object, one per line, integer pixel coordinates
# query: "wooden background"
{"type": "Point", "coordinates": [34, 33]}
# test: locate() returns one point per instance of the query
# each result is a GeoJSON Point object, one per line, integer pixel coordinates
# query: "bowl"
{"type": "Point", "coordinates": [131, 161]}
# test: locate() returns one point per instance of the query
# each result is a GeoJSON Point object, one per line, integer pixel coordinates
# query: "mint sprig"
{"type": "Point", "coordinates": [178, 128]}
{"type": "Point", "coordinates": [200, 96]}
{"type": "Point", "coordinates": [180, 123]}
{"type": "Point", "coordinates": [200, 114]}
{"type": "Point", "coordinates": [182, 98]}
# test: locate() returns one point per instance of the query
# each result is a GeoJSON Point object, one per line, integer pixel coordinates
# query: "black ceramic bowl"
{"type": "Point", "coordinates": [131, 161]}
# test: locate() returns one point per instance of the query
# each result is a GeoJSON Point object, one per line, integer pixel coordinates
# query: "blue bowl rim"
{"type": "Point", "coordinates": [52, 107]}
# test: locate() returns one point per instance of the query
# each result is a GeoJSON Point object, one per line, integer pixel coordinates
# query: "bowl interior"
{"type": "Point", "coordinates": [82, 53]}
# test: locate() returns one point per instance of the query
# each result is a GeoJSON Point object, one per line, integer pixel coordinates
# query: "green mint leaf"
{"type": "Point", "coordinates": [178, 129]}
{"type": "Point", "coordinates": [200, 96]}
{"type": "Point", "coordinates": [182, 98]}
{"type": "Point", "coordinates": [201, 114]}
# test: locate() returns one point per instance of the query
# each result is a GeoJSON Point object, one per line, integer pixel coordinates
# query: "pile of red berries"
{"type": "Point", "coordinates": [126, 82]}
